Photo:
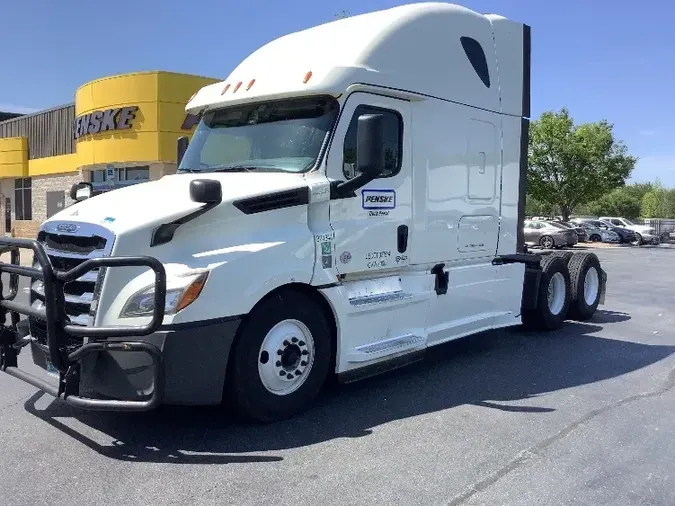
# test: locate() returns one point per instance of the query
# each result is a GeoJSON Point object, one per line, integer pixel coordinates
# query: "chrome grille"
{"type": "Point", "coordinates": [68, 244]}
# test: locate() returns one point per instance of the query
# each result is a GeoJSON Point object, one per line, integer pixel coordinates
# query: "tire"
{"type": "Point", "coordinates": [276, 332]}
{"type": "Point", "coordinates": [595, 238]}
{"type": "Point", "coordinates": [546, 242]}
{"type": "Point", "coordinates": [586, 282]}
{"type": "Point", "coordinates": [565, 255]}
{"type": "Point", "coordinates": [638, 239]}
{"type": "Point", "coordinates": [548, 316]}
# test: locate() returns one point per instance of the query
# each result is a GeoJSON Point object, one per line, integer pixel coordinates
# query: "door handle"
{"type": "Point", "coordinates": [402, 238]}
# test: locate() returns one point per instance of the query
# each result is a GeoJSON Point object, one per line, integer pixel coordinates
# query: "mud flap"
{"type": "Point", "coordinates": [603, 289]}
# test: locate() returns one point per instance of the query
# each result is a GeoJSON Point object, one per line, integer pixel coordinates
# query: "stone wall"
{"type": "Point", "coordinates": [40, 186]}
{"type": "Point", "coordinates": [44, 184]}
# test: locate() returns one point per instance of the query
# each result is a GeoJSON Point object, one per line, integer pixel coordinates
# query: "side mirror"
{"type": "Point", "coordinates": [369, 153]}
{"type": "Point", "coordinates": [81, 191]}
{"type": "Point", "coordinates": [181, 145]}
{"type": "Point", "coordinates": [370, 145]}
{"type": "Point", "coordinates": [206, 191]}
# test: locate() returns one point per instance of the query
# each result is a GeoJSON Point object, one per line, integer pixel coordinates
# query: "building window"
{"type": "Point", "coordinates": [23, 199]}
{"type": "Point", "coordinates": [393, 146]}
{"type": "Point", "coordinates": [141, 173]}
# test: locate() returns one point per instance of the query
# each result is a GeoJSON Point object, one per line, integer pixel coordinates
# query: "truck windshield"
{"type": "Point", "coordinates": [283, 135]}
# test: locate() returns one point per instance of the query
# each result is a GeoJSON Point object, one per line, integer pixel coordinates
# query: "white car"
{"type": "Point", "coordinates": [644, 233]}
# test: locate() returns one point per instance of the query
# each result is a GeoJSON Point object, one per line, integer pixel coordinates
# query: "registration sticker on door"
{"type": "Point", "coordinates": [378, 199]}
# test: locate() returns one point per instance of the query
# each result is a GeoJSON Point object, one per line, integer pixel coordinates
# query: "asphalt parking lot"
{"type": "Point", "coordinates": [579, 416]}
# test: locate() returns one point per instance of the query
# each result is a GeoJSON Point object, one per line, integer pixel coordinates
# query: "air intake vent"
{"type": "Point", "coordinates": [272, 201]}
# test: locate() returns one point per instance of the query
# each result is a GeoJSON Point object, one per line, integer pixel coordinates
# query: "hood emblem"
{"type": "Point", "coordinates": [67, 227]}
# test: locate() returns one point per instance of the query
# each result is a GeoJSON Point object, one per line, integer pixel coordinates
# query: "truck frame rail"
{"type": "Point", "coordinates": [14, 335]}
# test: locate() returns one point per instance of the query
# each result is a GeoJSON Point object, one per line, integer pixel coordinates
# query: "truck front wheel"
{"type": "Point", "coordinates": [280, 358]}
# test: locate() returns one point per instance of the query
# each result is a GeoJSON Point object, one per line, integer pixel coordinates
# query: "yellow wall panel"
{"type": "Point", "coordinates": [53, 165]}
{"type": "Point", "coordinates": [127, 89]}
{"type": "Point", "coordinates": [140, 148]}
{"type": "Point", "coordinates": [13, 157]}
{"type": "Point", "coordinates": [178, 88]}
{"type": "Point", "coordinates": [171, 117]}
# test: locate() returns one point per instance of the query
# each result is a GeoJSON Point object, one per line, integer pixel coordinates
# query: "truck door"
{"type": "Point", "coordinates": [372, 228]}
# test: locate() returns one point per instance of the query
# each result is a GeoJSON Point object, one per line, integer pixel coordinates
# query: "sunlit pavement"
{"type": "Point", "coordinates": [579, 416]}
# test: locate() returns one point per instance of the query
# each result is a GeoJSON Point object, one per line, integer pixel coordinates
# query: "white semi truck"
{"type": "Point", "coordinates": [353, 195]}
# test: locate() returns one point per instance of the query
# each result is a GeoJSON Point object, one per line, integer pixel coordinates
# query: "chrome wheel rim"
{"type": "Point", "coordinates": [286, 357]}
{"type": "Point", "coordinates": [591, 286]}
{"type": "Point", "coordinates": [556, 293]}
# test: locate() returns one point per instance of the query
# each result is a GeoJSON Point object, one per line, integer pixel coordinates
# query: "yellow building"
{"type": "Point", "coordinates": [127, 125]}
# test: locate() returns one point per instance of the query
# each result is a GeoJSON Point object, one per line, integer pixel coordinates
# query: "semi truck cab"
{"type": "Point", "coordinates": [352, 196]}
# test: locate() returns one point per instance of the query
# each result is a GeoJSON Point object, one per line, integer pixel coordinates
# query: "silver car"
{"type": "Point", "coordinates": [549, 235]}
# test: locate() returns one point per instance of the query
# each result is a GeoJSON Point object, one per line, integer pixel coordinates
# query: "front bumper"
{"type": "Point", "coordinates": [67, 361]}
{"type": "Point", "coordinates": [193, 364]}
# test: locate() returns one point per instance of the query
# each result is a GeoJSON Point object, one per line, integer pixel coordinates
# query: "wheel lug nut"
{"type": "Point", "coordinates": [281, 373]}
{"type": "Point", "coordinates": [294, 340]}
{"type": "Point", "coordinates": [301, 343]}
{"type": "Point", "coordinates": [286, 343]}
{"type": "Point", "coordinates": [303, 363]}
{"type": "Point", "coordinates": [279, 352]}
{"type": "Point", "coordinates": [289, 376]}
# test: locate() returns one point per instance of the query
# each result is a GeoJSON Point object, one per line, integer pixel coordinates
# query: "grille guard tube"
{"type": "Point", "coordinates": [59, 327]}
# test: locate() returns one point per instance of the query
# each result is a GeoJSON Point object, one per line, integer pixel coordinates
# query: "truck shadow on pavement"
{"type": "Point", "coordinates": [489, 370]}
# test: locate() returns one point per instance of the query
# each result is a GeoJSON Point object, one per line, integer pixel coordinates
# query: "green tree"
{"type": "Point", "coordinates": [658, 202]}
{"type": "Point", "coordinates": [573, 164]}
{"type": "Point", "coordinates": [623, 202]}
{"type": "Point", "coordinates": [534, 207]}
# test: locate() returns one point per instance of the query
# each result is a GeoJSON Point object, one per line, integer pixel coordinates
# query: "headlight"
{"type": "Point", "coordinates": [181, 291]}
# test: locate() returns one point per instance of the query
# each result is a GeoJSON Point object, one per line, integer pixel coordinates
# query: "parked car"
{"type": "Point", "coordinates": [582, 236]}
{"type": "Point", "coordinates": [626, 236]}
{"type": "Point", "coordinates": [596, 234]}
{"type": "Point", "coordinates": [549, 235]}
{"type": "Point", "coordinates": [644, 234]}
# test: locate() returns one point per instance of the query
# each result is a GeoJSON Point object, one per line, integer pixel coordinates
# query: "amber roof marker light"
{"type": "Point", "coordinates": [308, 76]}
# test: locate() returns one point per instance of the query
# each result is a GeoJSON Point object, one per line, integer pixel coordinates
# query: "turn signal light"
{"type": "Point", "coordinates": [191, 294]}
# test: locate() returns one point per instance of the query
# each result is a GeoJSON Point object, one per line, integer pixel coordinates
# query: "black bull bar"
{"type": "Point", "coordinates": [59, 328]}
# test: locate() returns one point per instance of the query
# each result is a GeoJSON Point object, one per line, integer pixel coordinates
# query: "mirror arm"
{"type": "Point", "coordinates": [345, 189]}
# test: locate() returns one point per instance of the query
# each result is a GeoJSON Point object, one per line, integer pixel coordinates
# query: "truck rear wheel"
{"type": "Point", "coordinates": [280, 358]}
{"type": "Point", "coordinates": [586, 285]}
{"type": "Point", "coordinates": [554, 295]}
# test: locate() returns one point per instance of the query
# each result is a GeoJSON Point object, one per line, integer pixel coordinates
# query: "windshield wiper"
{"type": "Point", "coordinates": [189, 170]}
{"type": "Point", "coordinates": [234, 168]}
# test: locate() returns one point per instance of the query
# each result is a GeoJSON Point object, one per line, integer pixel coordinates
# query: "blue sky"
{"type": "Point", "coordinates": [603, 59]}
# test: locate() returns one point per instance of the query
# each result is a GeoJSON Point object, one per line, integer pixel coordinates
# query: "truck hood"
{"type": "Point", "coordinates": [168, 198]}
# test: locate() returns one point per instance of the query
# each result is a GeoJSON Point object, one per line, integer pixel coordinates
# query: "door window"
{"type": "Point", "coordinates": [393, 146]}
